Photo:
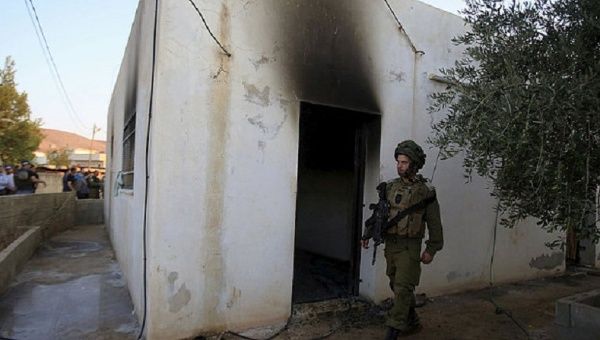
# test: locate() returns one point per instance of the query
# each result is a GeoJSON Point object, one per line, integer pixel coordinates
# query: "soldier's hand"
{"type": "Point", "coordinates": [365, 243]}
{"type": "Point", "coordinates": [426, 258]}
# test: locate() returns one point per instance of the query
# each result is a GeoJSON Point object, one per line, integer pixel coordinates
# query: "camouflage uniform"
{"type": "Point", "coordinates": [403, 240]}
{"type": "Point", "coordinates": [403, 245]}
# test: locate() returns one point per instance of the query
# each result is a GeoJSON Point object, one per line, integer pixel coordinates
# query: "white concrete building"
{"type": "Point", "coordinates": [87, 158]}
{"type": "Point", "coordinates": [234, 168]}
{"type": "Point", "coordinates": [77, 157]}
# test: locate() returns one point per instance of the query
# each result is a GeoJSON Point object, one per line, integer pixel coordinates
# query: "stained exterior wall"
{"type": "Point", "coordinates": [597, 247]}
{"type": "Point", "coordinates": [124, 209]}
{"type": "Point", "coordinates": [224, 147]}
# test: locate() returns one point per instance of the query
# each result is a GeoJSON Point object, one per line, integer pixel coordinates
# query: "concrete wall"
{"type": "Point", "coordinates": [52, 212]}
{"type": "Point", "coordinates": [597, 246]}
{"type": "Point", "coordinates": [16, 254]}
{"type": "Point", "coordinates": [224, 132]}
{"type": "Point", "coordinates": [43, 215]}
{"type": "Point", "coordinates": [53, 182]}
{"type": "Point", "coordinates": [89, 211]}
{"type": "Point", "coordinates": [124, 209]}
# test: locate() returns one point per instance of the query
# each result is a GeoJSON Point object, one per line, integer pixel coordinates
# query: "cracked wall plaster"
{"type": "Point", "coordinates": [180, 299]}
{"type": "Point", "coordinates": [256, 96]}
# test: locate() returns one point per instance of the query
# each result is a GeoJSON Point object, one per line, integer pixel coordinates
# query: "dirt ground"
{"type": "Point", "coordinates": [470, 315]}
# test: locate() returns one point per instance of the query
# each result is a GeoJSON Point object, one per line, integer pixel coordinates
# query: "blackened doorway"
{"type": "Point", "coordinates": [331, 168]}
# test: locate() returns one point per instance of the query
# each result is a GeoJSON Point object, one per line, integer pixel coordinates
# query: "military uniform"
{"type": "Point", "coordinates": [403, 239]}
{"type": "Point", "coordinates": [403, 245]}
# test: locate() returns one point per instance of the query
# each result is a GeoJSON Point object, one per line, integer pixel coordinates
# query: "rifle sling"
{"type": "Point", "coordinates": [402, 214]}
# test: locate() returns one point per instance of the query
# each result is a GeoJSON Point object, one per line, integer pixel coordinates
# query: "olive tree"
{"type": "Point", "coordinates": [59, 157]}
{"type": "Point", "coordinates": [20, 135]}
{"type": "Point", "coordinates": [523, 105]}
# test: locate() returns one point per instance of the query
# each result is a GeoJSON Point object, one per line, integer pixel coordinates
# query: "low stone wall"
{"type": "Point", "coordinates": [14, 256]}
{"type": "Point", "coordinates": [89, 211]}
{"type": "Point", "coordinates": [580, 313]}
{"type": "Point", "coordinates": [51, 212]}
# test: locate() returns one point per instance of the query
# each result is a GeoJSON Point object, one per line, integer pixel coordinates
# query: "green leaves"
{"type": "Point", "coordinates": [59, 157]}
{"type": "Point", "coordinates": [525, 108]}
{"type": "Point", "coordinates": [19, 135]}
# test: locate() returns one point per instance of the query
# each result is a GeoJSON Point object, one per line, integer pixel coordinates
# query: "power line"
{"type": "Point", "coordinates": [52, 73]}
{"type": "Point", "coordinates": [71, 109]}
{"type": "Point", "coordinates": [147, 179]}
{"type": "Point", "coordinates": [499, 309]}
{"type": "Point", "coordinates": [41, 44]}
{"type": "Point", "coordinates": [414, 48]}
{"type": "Point", "coordinates": [208, 29]}
{"type": "Point", "coordinates": [52, 64]}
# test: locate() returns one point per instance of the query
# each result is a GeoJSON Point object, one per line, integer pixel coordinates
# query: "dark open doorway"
{"type": "Point", "coordinates": [331, 168]}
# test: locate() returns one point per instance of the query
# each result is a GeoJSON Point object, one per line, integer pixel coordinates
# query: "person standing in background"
{"type": "Point", "coordinates": [26, 179]}
{"type": "Point", "coordinates": [7, 183]}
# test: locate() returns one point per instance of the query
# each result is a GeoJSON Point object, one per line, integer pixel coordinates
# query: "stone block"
{"type": "Point", "coordinates": [563, 313]}
{"type": "Point", "coordinates": [580, 311]}
{"type": "Point", "coordinates": [53, 212]}
{"type": "Point", "coordinates": [16, 254]}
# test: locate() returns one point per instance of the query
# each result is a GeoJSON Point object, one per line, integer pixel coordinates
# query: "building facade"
{"type": "Point", "coordinates": [225, 164]}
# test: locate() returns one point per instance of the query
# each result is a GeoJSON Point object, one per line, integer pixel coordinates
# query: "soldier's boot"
{"type": "Point", "coordinates": [392, 333]}
{"type": "Point", "coordinates": [411, 330]}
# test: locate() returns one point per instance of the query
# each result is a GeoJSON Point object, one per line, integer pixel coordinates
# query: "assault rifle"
{"type": "Point", "coordinates": [377, 223]}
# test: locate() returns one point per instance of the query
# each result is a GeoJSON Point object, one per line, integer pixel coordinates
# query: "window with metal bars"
{"type": "Point", "coordinates": [128, 149]}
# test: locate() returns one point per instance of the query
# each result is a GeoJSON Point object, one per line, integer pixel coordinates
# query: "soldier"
{"type": "Point", "coordinates": [403, 239]}
{"type": "Point", "coordinates": [94, 184]}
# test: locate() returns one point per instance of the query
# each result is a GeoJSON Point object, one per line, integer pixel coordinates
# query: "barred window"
{"type": "Point", "coordinates": [128, 149]}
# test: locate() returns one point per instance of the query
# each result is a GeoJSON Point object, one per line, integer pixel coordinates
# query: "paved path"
{"type": "Point", "coordinates": [72, 288]}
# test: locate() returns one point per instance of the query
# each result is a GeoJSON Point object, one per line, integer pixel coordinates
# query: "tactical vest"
{"type": "Point", "coordinates": [401, 194]}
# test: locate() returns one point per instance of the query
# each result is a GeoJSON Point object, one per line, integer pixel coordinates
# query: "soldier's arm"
{"type": "Point", "coordinates": [71, 183]}
{"type": "Point", "coordinates": [35, 178]}
{"type": "Point", "coordinates": [434, 226]}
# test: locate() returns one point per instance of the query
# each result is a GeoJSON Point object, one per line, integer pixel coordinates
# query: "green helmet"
{"type": "Point", "coordinates": [413, 151]}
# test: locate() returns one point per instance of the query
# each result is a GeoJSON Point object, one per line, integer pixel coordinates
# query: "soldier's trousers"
{"type": "Point", "coordinates": [403, 259]}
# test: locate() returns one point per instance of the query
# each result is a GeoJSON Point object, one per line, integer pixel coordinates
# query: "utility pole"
{"type": "Point", "coordinates": [94, 130]}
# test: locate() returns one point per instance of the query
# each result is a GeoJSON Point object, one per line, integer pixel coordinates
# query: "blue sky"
{"type": "Point", "coordinates": [87, 39]}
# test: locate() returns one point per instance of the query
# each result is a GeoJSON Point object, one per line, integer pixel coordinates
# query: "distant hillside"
{"type": "Point", "coordinates": [56, 139]}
